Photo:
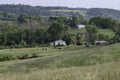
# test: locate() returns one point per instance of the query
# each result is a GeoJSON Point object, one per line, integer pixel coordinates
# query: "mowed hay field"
{"type": "Point", "coordinates": [65, 63]}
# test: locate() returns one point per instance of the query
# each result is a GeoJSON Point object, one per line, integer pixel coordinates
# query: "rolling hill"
{"type": "Point", "coordinates": [57, 63]}
{"type": "Point", "coordinates": [60, 11]}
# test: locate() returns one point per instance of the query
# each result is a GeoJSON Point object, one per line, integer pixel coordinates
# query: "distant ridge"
{"type": "Point", "coordinates": [60, 11]}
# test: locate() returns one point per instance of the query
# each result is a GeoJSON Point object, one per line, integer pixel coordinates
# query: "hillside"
{"type": "Point", "coordinates": [60, 11]}
{"type": "Point", "coordinates": [67, 63]}
{"type": "Point", "coordinates": [27, 31]}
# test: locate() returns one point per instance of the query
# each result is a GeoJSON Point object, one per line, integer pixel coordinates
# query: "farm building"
{"type": "Point", "coordinates": [80, 26]}
{"type": "Point", "coordinates": [58, 42]}
{"type": "Point", "coordinates": [101, 42]}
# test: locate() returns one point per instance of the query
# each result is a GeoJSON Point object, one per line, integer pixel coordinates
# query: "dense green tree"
{"type": "Point", "coordinates": [56, 30]}
{"type": "Point", "coordinates": [22, 19]}
{"type": "Point", "coordinates": [40, 36]}
{"type": "Point", "coordinates": [74, 22]}
{"type": "Point", "coordinates": [104, 23]}
{"type": "Point", "coordinates": [3, 39]}
{"type": "Point", "coordinates": [67, 38]}
{"type": "Point", "coordinates": [91, 32]}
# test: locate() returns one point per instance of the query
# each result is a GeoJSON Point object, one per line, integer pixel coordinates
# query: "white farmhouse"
{"type": "Point", "coordinates": [58, 42]}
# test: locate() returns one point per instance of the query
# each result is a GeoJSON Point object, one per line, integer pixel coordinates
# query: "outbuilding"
{"type": "Point", "coordinates": [80, 26]}
{"type": "Point", "coordinates": [101, 42]}
{"type": "Point", "coordinates": [58, 43]}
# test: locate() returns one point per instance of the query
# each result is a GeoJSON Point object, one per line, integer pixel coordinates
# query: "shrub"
{"type": "Point", "coordinates": [25, 56]}
{"type": "Point", "coordinates": [34, 55]}
{"type": "Point", "coordinates": [7, 57]}
{"type": "Point", "coordinates": [2, 47]}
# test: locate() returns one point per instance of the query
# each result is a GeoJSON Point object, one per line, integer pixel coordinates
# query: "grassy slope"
{"type": "Point", "coordinates": [73, 63]}
{"type": "Point", "coordinates": [110, 71]}
{"type": "Point", "coordinates": [108, 32]}
{"type": "Point", "coordinates": [76, 31]}
{"type": "Point", "coordinates": [64, 10]}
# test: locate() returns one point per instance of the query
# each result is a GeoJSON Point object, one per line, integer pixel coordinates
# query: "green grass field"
{"type": "Point", "coordinates": [107, 32]}
{"type": "Point", "coordinates": [65, 63]}
{"type": "Point", "coordinates": [64, 10]}
{"type": "Point", "coordinates": [76, 31]}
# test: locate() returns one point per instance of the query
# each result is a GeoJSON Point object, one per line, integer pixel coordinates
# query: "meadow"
{"type": "Point", "coordinates": [107, 32]}
{"type": "Point", "coordinates": [63, 63]}
{"type": "Point", "coordinates": [65, 10]}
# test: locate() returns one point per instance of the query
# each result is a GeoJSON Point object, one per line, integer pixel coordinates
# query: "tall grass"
{"type": "Point", "coordinates": [73, 63]}
{"type": "Point", "coordinates": [110, 71]}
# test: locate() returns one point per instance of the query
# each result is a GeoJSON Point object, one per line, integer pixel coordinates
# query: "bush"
{"type": "Point", "coordinates": [2, 47]}
{"type": "Point", "coordinates": [7, 57]}
{"type": "Point", "coordinates": [34, 55]}
{"type": "Point", "coordinates": [25, 56]}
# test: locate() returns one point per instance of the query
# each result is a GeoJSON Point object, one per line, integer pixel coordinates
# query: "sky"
{"type": "Point", "coordinates": [113, 4]}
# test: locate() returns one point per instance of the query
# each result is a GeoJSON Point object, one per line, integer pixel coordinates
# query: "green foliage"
{"type": "Point", "coordinates": [34, 55]}
{"type": "Point", "coordinates": [23, 43]}
{"type": "Point", "coordinates": [79, 38]}
{"type": "Point", "coordinates": [74, 22]}
{"type": "Point", "coordinates": [91, 32]}
{"type": "Point", "coordinates": [104, 23]}
{"type": "Point", "coordinates": [6, 57]}
{"type": "Point", "coordinates": [56, 31]}
{"type": "Point", "coordinates": [102, 37]}
{"type": "Point", "coordinates": [22, 19]}
{"type": "Point", "coordinates": [33, 30]}
{"type": "Point", "coordinates": [67, 38]}
{"type": "Point", "coordinates": [102, 12]}
{"type": "Point", "coordinates": [6, 16]}
{"type": "Point", "coordinates": [25, 56]}
{"type": "Point", "coordinates": [40, 36]}
{"type": "Point", "coordinates": [60, 11]}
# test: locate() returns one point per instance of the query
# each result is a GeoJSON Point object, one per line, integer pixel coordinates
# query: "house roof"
{"type": "Point", "coordinates": [59, 41]}
{"type": "Point", "coordinates": [101, 41]}
{"type": "Point", "coordinates": [81, 26]}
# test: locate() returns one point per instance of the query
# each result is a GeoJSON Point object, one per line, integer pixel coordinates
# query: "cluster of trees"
{"type": "Point", "coordinates": [8, 16]}
{"type": "Point", "coordinates": [34, 21]}
{"type": "Point", "coordinates": [105, 23]}
{"type": "Point", "coordinates": [17, 37]}
{"type": "Point", "coordinates": [96, 23]}
{"type": "Point", "coordinates": [92, 31]}
{"type": "Point", "coordinates": [48, 30]}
